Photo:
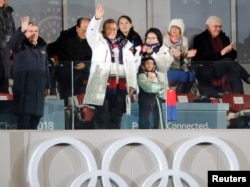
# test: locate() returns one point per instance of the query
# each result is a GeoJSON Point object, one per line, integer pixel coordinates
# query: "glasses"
{"type": "Point", "coordinates": [151, 38]}
{"type": "Point", "coordinates": [217, 26]}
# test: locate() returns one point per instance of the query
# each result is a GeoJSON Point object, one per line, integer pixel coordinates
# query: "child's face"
{"type": "Point", "coordinates": [149, 64]}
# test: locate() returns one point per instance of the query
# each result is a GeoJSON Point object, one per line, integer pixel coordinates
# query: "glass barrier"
{"type": "Point", "coordinates": [216, 118]}
{"type": "Point", "coordinates": [198, 108]}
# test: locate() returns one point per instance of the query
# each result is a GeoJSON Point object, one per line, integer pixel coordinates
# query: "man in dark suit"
{"type": "Point", "coordinates": [217, 55]}
{"type": "Point", "coordinates": [72, 46]}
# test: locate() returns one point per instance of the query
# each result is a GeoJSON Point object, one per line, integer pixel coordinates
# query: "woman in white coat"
{"type": "Point", "coordinates": [112, 74]}
{"type": "Point", "coordinates": [155, 48]}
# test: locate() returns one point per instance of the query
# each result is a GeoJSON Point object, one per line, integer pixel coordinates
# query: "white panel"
{"type": "Point", "coordinates": [133, 162]}
{"type": "Point", "coordinates": [161, 14]}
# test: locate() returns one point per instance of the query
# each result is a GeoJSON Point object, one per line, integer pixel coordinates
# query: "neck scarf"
{"type": "Point", "coordinates": [217, 44]}
{"type": "Point", "coordinates": [116, 45]}
{"type": "Point", "coordinates": [176, 42]}
{"type": "Point", "coordinates": [155, 47]}
{"type": "Point", "coordinates": [116, 83]}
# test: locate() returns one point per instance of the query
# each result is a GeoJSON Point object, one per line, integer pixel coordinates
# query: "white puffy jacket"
{"type": "Point", "coordinates": [101, 63]}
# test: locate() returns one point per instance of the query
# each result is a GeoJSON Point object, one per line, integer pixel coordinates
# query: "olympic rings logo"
{"type": "Point", "coordinates": [162, 175]}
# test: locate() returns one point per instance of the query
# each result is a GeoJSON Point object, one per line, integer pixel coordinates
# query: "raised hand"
{"type": "Point", "coordinates": [99, 11]}
{"type": "Point", "coordinates": [25, 23]}
{"type": "Point", "coordinates": [147, 50]}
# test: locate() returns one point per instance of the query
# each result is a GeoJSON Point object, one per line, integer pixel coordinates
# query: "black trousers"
{"type": "Point", "coordinates": [4, 69]}
{"type": "Point", "coordinates": [216, 70]}
{"type": "Point", "coordinates": [27, 121]}
{"type": "Point", "coordinates": [109, 115]}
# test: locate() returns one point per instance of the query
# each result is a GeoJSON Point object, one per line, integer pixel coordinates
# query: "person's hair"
{"type": "Point", "coordinates": [143, 61]}
{"type": "Point", "coordinates": [212, 19]}
{"type": "Point", "coordinates": [79, 21]}
{"type": "Point", "coordinates": [146, 58]}
{"type": "Point", "coordinates": [108, 21]}
{"type": "Point", "coordinates": [127, 18]}
{"type": "Point", "coordinates": [157, 32]}
{"type": "Point", "coordinates": [33, 24]}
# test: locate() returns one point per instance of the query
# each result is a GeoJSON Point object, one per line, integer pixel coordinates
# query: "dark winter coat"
{"type": "Point", "coordinates": [7, 25]}
{"type": "Point", "coordinates": [133, 37]}
{"type": "Point", "coordinates": [69, 47]}
{"type": "Point", "coordinates": [205, 51]}
{"type": "Point", "coordinates": [30, 74]}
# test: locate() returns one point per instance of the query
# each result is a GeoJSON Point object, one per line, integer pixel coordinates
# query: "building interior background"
{"type": "Point", "coordinates": [54, 16]}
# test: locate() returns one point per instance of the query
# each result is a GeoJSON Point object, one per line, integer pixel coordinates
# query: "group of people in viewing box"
{"type": "Point", "coordinates": [111, 64]}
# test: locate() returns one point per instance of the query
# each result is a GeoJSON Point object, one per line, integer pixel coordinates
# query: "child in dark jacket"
{"type": "Point", "coordinates": [151, 91]}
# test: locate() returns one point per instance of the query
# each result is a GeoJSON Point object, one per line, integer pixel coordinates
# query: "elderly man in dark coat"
{"type": "Point", "coordinates": [30, 74]}
{"type": "Point", "coordinates": [217, 55]}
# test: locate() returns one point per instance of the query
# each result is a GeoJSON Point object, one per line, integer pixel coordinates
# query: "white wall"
{"type": "Point", "coordinates": [134, 163]}
{"type": "Point", "coordinates": [134, 9]}
{"type": "Point", "coordinates": [144, 13]}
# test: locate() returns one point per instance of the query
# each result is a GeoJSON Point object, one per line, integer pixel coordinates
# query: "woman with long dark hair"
{"type": "Point", "coordinates": [126, 31]}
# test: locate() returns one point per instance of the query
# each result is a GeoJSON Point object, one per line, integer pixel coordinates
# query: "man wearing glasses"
{"type": "Point", "coordinates": [217, 55]}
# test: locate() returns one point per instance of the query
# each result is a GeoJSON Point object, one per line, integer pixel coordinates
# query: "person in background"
{"type": "Point", "coordinates": [126, 31]}
{"type": "Point", "coordinates": [72, 46]}
{"type": "Point", "coordinates": [179, 73]}
{"type": "Point", "coordinates": [7, 29]}
{"type": "Point", "coordinates": [217, 55]}
{"type": "Point", "coordinates": [112, 73]}
{"type": "Point", "coordinates": [151, 89]}
{"type": "Point", "coordinates": [155, 48]}
{"type": "Point", "coordinates": [30, 74]}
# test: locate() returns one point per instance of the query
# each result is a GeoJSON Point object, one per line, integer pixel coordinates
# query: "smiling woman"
{"type": "Point", "coordinates": [180, 73]}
